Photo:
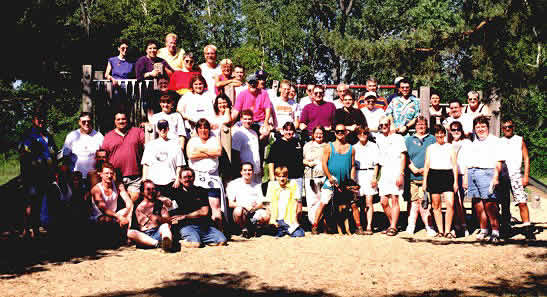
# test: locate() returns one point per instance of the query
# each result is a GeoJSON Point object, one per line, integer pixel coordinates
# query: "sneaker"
{"type": "Point", "coordinates": [481, 236]}
{"type": "Point", "coordinates": [314, 231]}
{"type": "Point", "coordinates": [529, 232]}
{"type": "Point", "coordinates": [410, 229]}
{"type": "Point", "coordinates": [245, 233]}
{"type": "Point", "coordinates": [166, 244]}
{"type": "Point", "coordinates": [466, 232]}
{"type": "Point", "coordinates": [494, 239]}
{"type": "Point", "coordinates": [430, 232]}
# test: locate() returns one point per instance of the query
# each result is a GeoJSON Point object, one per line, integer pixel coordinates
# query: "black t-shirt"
{"type": "Point", "coordinates": [189, 201]}
{"type": "Point", "coordinates": [287, 153]}
{"type": "Point", "coordinates": [354, 116]}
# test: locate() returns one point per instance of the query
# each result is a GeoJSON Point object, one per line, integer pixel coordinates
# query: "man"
{"type": "Point", "coordinates": [38, 162]}
{"type": "Point", "coordinates": [81, 145]}
{"type": "Point", "coordinates": [416, 146]}
{"type": "Point", "coordinates": [393, 162]}
{"type": "Point", "coordinates": [94, 175]}
{"type": "Point", "coordinates": [455, 112]}
{"type": "Point", "coordinates": [246, 199]}
{"type": "Point", "coordinates": [341, 90]}
{"type": "Point", "coordinates": [210, 68]}
{"type": "Point", "coordinates": [512, 180]}
{"type": "Point", "coordinates": [245, 143]}
{"type": "Point", "coordinates": [173, 56]}
{"type": "Point", "coordinates": [307, 99]}
{"type": "Point", "coordinates": [285, 109]}
{"type": "Point", "coordinates": [404, 109]}
{"type": "Point", "coordinates": [162, 161]}
{"type": "Point", "coordinates": [255, 99]}
{"type": "Point", "coordinates": [396, 92]}
{"type": "Point", "coordinates": [338, 163]}
{"type": "Point", "coordinates": [177, 127]}
{"type": "Point", "coordinates": [372, 113]}
{"type": "Point", "coordinates": [262, 76]}
{"type": "Point", "coordinates": [474, 108]}
{"type": "Point", "coordinates": [104, 200]}
{"type": "Point", "coordinates": [191, 218]}
{"type": "Point", "coordinates": [319, 113]}
{"type": "Point", "coordinates": [239, 74]}
{"type": "Point", "coordinates": [153, 221]}
{"type": "Point", "coordinates": [123, 146]}
{"type": "Point", "coordinates": [350, 116]}
{"type": "Point", "coordinates": [372, 86]}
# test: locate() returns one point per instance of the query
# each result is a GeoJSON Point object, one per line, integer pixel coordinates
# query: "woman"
{"type": "Point", "coordinates": [441, 177]}
{"type": "Point", "coordinates": [437, 113]}
{"type": "Point", "coordinates": [223, 114]}
{"type": "Point", "coordinates": [313, 171]}
{"type": "Point", "coordinates": [225, 77]}
{"type": "Point", "coordinates": [367, 156]}
{"type": "Point", "coordinates": [196, 104]}
{"type": "Point", "coordinates": [459, 141]}
{"type": "Point", "coordinates": [118, 67]}
{"type": "Point", "coordinates": [180, 80]}
{"type": "Point", "coordinates": [203, 152]}
{"type": "Point", "coordinates": [151, 66]}
{"type": "Point", "coordinates": [292, 94]}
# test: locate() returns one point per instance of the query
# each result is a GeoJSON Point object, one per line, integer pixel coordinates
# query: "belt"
{"type": "Point", "coordinates": [365, 168]}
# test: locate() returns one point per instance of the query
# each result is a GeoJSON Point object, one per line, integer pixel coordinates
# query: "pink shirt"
{"type": "Point", "coordinates": [124, 153]}
{"type": "Point", "coordinates": [258, 104]}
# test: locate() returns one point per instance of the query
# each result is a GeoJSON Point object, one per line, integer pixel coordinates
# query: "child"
{"type": "Point", "coordinates": [177, 128]}
{"type": "Point", "coordinates": [282, 196]}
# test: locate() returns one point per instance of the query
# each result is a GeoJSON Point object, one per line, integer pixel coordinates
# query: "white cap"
{"type": "Point", "coordinates": [371, 94]}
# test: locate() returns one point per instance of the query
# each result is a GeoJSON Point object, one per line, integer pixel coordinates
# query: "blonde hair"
{"type": "Point", "coordinates": [171, 35]}
{"type": "Point", "coordinates": [211, 46]}
{"type": "Point", "coordinates": [226, 62]}
{"type": "Point", "coordinates": [281, 171]}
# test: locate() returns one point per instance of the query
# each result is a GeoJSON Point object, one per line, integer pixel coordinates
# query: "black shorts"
{"type": "Point", "coordinates": [440, 181]}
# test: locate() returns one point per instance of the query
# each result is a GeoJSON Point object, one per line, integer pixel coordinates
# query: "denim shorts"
{"type": "Point", "coordinates": [479, 183]}
{"type": "Point", "coordinates": [201, 234]}
{"type": "Point", "coordinates": [154, 233]}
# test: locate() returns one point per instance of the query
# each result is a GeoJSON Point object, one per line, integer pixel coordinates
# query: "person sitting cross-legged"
{"type": "Point", "coordinates": [282, 196]}
{"type": "Point", "coordinates": [246, 199]}
{"type": "Point", "coordinates": [191, 216]}
{"type": "Point", "coordinates": [153, 221]}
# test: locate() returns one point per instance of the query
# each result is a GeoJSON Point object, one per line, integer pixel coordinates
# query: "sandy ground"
{"type": "Point", "coordinates": [322, 265]}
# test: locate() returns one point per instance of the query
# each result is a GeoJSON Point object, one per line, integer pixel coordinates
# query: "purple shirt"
{"type": "Point", "coordinates": [314, 115]}
{"type": "Point", "coordinates": [258, 104]}
{"type": "Point", "coordinates": [144, 64]}
{"type": "Point", "coordinates": [124, 152]}
{"type": "Point", "coordinates": [121, 69]}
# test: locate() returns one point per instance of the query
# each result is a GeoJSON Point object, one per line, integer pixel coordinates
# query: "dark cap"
{"type": "Point", "coordinates": [163, 124]}
{"type": "Point", "coordinates": [261, 74]}
{"type": "Point", "coordinates": [252, 79]}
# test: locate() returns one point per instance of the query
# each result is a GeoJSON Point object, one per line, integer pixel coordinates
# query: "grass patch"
{"type": "Point", "coordinates": [9, 167]}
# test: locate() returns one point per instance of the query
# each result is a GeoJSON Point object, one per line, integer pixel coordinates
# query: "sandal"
{"type": "Point", "coordinates": [439, 235]}
{"type": "Point", "coordinates": [368, 232]}
{"type": "Point", "coordinates": [449, 236]}
{"type": "Point", "coordinates": [391, 232]}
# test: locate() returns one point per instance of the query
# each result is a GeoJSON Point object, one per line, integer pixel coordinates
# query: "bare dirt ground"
{"type": "Point", "coordinates": [323, 265]}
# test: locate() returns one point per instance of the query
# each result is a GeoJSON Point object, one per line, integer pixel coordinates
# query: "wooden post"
{"type": "Point", "coordinates": [425, 96]}
{"type": "Point", "coordinates": [495, 109]}
{"type": "Point", "coordinates": [149, 133]}
{"type": "Point", "coordinates": [87, 103]}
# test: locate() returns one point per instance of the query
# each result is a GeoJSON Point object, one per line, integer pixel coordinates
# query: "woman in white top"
{"type": "Point", "coordinates": [203, 152]}
{"type": "Point", "coordinates": [196, 104]}
{"type": "Point", "coordinates": [459, 141]}
{"type": "Point", "coordinates": [313, 171]}
{"type": "Point", "coordinates": [441, 177]}
{"type": "Point", "coordinates": [367, 156]}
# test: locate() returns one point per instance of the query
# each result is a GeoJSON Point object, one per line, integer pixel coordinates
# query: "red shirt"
{"type": "Point", "coordinates": [125, 152]}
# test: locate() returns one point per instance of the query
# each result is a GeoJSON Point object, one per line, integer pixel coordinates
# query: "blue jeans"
{"type": "Point", "coordinates": [201, 234]}
{"type": "Point", "coordinates": [479, 181]}
{"type": "Point", "coordinates": [283, 230]}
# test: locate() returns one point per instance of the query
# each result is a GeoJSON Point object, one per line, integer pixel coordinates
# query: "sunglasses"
{"type": "Point", "coordinates": [508, 127]}
{"type": "Point", "coordinates": [189, 61]}
{"type": "Point", "coordinates": [340, 131]}
{"type": "Point", "coordinates": [455, 130]}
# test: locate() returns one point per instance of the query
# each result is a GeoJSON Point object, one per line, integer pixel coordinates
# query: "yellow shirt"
{"type": "Point", "coordinates": [174, 61]}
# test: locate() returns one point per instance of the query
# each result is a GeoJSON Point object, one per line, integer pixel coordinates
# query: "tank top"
{"type": "Point", "coordinates": [339, 165]}
{"type": "Point", "coordinates": [110, 201]}
{"type": "Point", "coordinates": [513, 152]}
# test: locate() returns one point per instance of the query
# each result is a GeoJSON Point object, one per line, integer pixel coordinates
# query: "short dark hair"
{"type": "Point", "coordinates": [482, 120]}
{"type": "Point", "coordinates": [203, 123]}
{"type": "Point", "coordinates": [405, 81]}
{"type": "Point", "coordinates": [187, 168]}
{"type": "Point", "coordinates": [123, 41]}
{"type": "Point", "coordinates": [151, 41]}
{"type": "Point", "coordinates": [221, 96]}
{"type": "Point", "coordinates": [246, 163]}
{"type": "Point", "coordinates": [454, 101]}
{"type": "Point", "coordinates": [438, 128]}
{"type": "Point", "coordinates": [195, 78]}
{"type": "Point", "coordinates": [506, 119]}
{"type": "Point", "coordinates": [85, 114]}
{"type": "Point", "coordinates": [289, 125]}
{"type": "Point", "coordinates": [247, 112]}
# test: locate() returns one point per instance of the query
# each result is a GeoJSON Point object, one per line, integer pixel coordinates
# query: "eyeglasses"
{"type": "Point", "coordinates": [508, 127]}
{"type": "Point", "coordinates": [404, 88]}
{"type": "Point", "coordinates": [86, 122]}
{"type": "Point", "coordinates": [340, 131]}
{"type": "Point", "coordinates": [455, 130]}
{"type": "Point", "coordinates": [473, 99]}
{"type": "Point", "coordinates": [318, 93]}
{"type": "Point", "coordinates": [365, 133]}
{"type": "Point", "coordinates": [188, 61]}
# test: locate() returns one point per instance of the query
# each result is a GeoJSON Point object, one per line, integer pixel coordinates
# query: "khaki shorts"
{"type": "Point", "coordinates": [416, 190]}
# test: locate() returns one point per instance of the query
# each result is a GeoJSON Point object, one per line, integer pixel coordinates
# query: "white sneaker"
{"type": "Point", "coordinates": [410, 229]}
{"type": "Point", "coordinates": [430, 231]}
{"type": "Point", "coordinates": [466, 232]}
{"type": "Point", "coordinates": [481, 236]}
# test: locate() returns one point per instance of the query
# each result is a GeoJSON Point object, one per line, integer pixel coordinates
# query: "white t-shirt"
{"type": "Point", "coordinates": [209, 165]}
{"type": "Point", "coordinates": [512, 152]}
{"type": "Point", "coordinates": [366, 156]}
{"type": "Point", "coordinates": [439, 156]}
{"type": "Point", "coordinates": [284, 111]}
{"type": "Point", "coordinates": [81, 148]}
{"type": "Point", "coordinates": [391, 148]}
{"type": "Point", "coordinates": [460, 148]}
{"type": "Point", "coordinates": [209, 74]}
{"type": "Point", "coordinates": [465, 120]}
{"type": "Point", "coordinates": [196, 106]}
{"type": "Point", "coordinates": [177, 127]}
{"type": "Point", "coordinates": [485, 153]}
{"type": "Point", "coordinates": [373, 117]}
{"type": "Point", "coordinates": [162, 158]}
{"type": "Point", "coordinates": [245, 141]}
{"type": "Point", "coordinates": [244, 194]}
{"type": "Point", "coordinates": [482, 109]}
{"type": "Point", "coordinates": [282, 202]}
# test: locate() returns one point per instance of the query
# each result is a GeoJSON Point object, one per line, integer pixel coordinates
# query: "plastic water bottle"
{"type": "Point", "coordinates": [536, 203]}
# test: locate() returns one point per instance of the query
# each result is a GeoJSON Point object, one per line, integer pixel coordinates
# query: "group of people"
{"type": "Point", "coordinates": [233, 156]}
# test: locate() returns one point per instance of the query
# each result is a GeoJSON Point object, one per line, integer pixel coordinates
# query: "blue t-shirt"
{"type": "Point", "coordinates": [121, 69]}
{"type": "Point", "coordinates": [416, 148]}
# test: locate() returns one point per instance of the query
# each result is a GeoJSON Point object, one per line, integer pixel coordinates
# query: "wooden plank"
{"type": "Point", "coordinates": [425, 97]}
{"type": "Point", "coordinates": [87, 103]}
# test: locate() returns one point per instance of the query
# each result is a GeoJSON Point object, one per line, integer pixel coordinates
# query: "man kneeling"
{"type": "Point", "coordinates": [153, 219]}
{"type": "Point", "coordinates": [246, 200]}
{"type": "Point", "coordinates": [191, 217]}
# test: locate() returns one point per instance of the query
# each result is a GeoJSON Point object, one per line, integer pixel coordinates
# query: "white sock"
{"type": "Point", "coordinates": [496, 233]}
{"type": "Point", "coordinates": [484, 231]}
{"type": "Point", "coordinates": [525, 224]}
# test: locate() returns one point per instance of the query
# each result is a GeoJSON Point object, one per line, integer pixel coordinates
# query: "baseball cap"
{"type": "Point", "coordinates": [252, 79]}
{"type": "Point", "coordinates": [370, 94]}
{"type": "Point", "coordinates": [162, 124]}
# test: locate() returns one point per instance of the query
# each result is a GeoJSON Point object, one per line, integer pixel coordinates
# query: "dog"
{"type": "Point", "coordinates": [346, 200]}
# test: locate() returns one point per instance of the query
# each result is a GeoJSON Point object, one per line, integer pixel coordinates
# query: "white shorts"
{"type": "Point", "coordinates": [326, 195]}
{"type": "Point", "coordinates": [364, 177]}
{"type": "Point", "coordinates": [313, 197]}
{"type": "Point", "coordinates": [387, 184]}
